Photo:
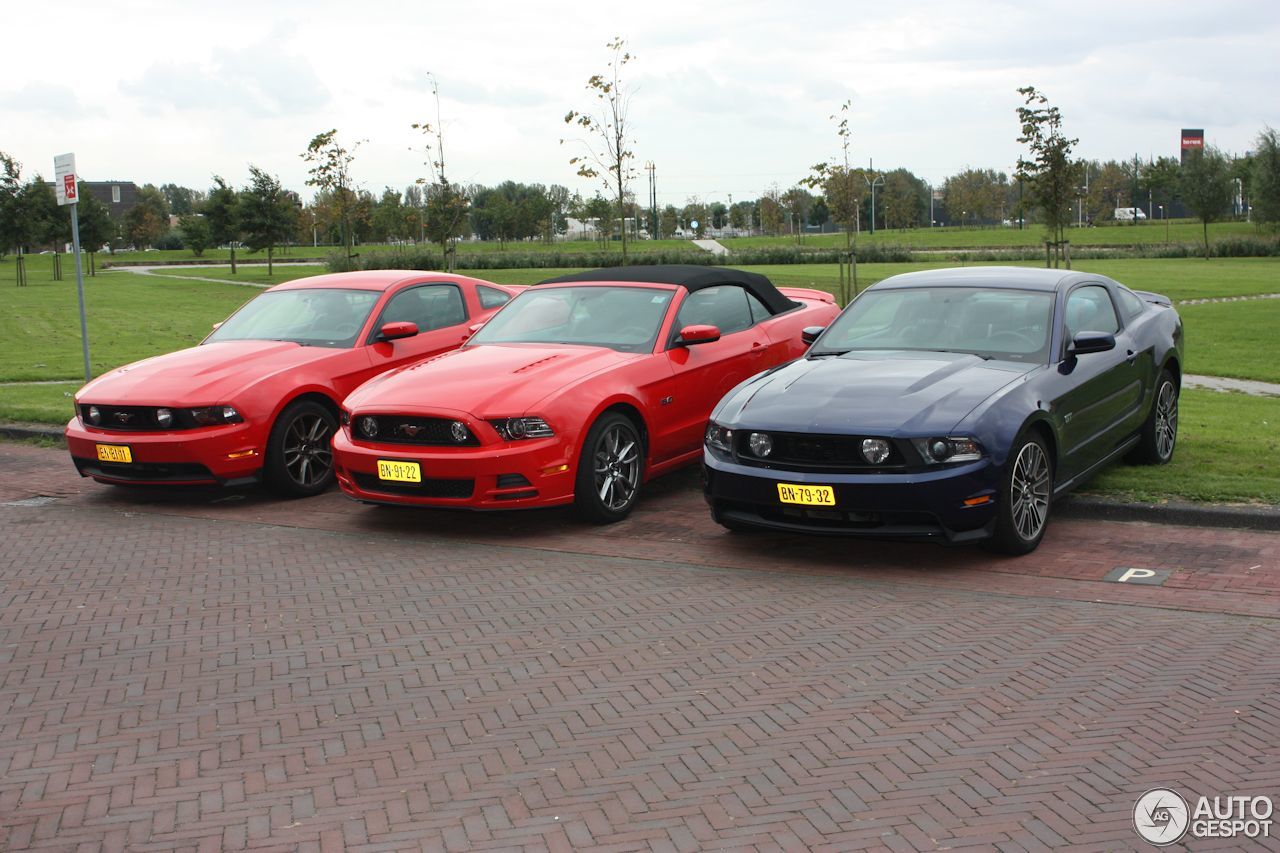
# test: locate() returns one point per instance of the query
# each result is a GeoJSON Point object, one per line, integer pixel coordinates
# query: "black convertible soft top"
{"type": "Point", "coordinates": [689, 276]}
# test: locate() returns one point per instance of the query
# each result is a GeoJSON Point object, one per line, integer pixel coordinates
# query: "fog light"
{"type": "Point", "coordinates": [369, 426]}
{"type": "Point", "coordinates": [459, 431]}
{"type": "Point", "coordinates": [875, 450]}
{"type": "Point", "coordinates": [95, 416]}
{"type": "Point", "coordinates": [164, 417]}
{"type": "Point", "coordinates": [761, 443]}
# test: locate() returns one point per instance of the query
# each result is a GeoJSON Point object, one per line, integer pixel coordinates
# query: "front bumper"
{"type": "Point", "coordinates": [226, 455]}
{"type": "Point", "coordinates": [928, 505]}
{"type": "Point", "coordinates": [511, 475]}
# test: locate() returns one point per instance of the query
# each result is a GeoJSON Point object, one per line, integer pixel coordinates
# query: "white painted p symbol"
{"type": "Point", "coordinates": [1135, 574]}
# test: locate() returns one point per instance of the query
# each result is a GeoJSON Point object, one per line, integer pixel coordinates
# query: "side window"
{"type": "Point", "coordinates": [723, 306]}
{"type": "Point", "coordinates": [431, 306]}
{"type": "Point", "coordinates": [1130, 304]}
{"type": "Point", "coordinates": [758, 311]}
{"type": "Point", "coordinates": [1089, 309]}
{"type": "Point", "coordinates": [491, 297]}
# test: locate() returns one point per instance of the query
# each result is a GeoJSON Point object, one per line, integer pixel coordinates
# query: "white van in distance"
{"type": "Point", "coordinates": [1128, 214]}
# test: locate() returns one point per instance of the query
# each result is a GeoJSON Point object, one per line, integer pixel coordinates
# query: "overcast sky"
{"type": "Point", "coordinates": [729, 97]}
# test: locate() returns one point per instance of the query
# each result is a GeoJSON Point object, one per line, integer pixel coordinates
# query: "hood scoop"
{"type": "Point", "coordinates": [534, 364]}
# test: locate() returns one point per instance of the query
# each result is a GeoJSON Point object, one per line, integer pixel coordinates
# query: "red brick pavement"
{"type": "Point", "coordinates": [319, 675]}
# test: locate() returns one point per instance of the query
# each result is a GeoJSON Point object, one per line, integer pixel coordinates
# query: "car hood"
{"type": "Point", "coordinates": [883, 393]}
{"type": "Point", "coordinates": [201, 375]}
{"type": "Point", "coordinates": [487, 380]}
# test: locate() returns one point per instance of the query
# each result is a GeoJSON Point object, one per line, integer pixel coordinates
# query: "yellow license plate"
{"type": "Point", "coordinates": [400, 472]}
{"type": "Point", "coordinates": [807, 495]}
{"type": "Point", "coordinates": [114, 453]}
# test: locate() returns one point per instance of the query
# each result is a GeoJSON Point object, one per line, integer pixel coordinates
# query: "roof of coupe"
{"type": "Point", "coordinates": [1022, 278]}
{"type": "Point", "coordinates": [365, 279]}
{"type": "Point", "coordinates": [688, 276]}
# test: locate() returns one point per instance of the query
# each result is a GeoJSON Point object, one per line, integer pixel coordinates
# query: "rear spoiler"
{"type": "Point", "coordinates": [807, 293]}
{"type": "Point", "coordinates": [1154, 298]}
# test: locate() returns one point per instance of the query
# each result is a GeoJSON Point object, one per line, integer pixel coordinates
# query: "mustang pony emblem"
{"type": "Point", "coordinates": [124, 417]}
{"type": "Point", "coordinates": [410, 430]}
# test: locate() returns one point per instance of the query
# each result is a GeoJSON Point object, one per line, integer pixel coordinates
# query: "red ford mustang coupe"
{"type": "Point", "coordinates": [579, 390]}
{"type": "Point", "coordinates": [258, 398]}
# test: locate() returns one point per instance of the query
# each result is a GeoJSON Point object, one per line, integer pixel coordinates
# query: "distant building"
{"type": "Point", "coordinates": [118, 196]}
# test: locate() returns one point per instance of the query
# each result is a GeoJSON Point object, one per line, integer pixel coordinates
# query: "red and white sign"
{"type": "Point", "coordinates": [64, 182]}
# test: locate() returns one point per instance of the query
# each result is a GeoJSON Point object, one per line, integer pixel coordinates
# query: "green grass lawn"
{"type": "Point", "coordinates": [1236, 339]}
{"type": "Point", "coordinates": [1227, 450]}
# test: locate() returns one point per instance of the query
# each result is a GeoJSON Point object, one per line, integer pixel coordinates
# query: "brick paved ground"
{"type": "Point", "coordinates": [204, 672]}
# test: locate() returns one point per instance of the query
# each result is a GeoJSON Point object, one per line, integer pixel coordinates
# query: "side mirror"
{"type": "Point", "coordinates": [698, 334]}
{"type": "Point", "coordinates": [809, 334]}
{"type": "Point", "coordinates": [396, 331]}
{"type": "Point", "coordinates": [1087, 342]}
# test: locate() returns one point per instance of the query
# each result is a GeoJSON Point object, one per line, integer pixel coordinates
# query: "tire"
{"type": "Point", "coordinates": [1159, 436]}
{"type": "Point", "coordinates": [1026, 492]}
{"type": "Point", "coordinates": [610, 470]}
{"type": "Point", "coordinates": [300, 450]}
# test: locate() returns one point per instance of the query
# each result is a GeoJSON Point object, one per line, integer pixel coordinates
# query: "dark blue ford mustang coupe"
{"type": "Point", "coordinates": [952, 405]}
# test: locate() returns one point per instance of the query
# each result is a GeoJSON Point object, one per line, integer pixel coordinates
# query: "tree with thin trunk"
{"type": "Point", "coordinates": [1050, 173]}
{"type": "Point", "coordinates": [606, 147]}
{"type": "Point", "coordinates": [1265, 186]}
{"type": "Point", "coordinates": [446, 204]}
{"type": "Point", "coordinates": [222, 212]}
{"type": "Point", "coordinates": [843, 188]}
{"type": "Point", "coordinates": [1205, 188]}
{"type": "Point", "coordinates": [268, 214]}
{"type": "Point", "coordinates": [331, 170]}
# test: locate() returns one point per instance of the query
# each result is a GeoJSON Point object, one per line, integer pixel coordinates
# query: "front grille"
{"type": "Point", "coordinates": [401, 429]}
{"type": "Point", "coordinates": [512, 481]}
{"type": "Point", "coordinates": [801, 452]}
{"type": "Point", "coordinates": [425, 489]}
{"type": "Point", "coordinates": [133, 418]}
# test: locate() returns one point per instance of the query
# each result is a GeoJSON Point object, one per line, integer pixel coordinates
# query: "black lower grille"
{"type": "Point", "coordinates": [425, 489]}
{"type": "Point", "coordinates": [151, 472]}
{"type": "Point", "coordinates": [512, 481]}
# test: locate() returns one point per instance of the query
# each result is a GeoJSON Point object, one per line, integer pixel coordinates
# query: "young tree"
{"type": "Point", "coordinates": [1051, 175]}
{"type": "Point", "coordinates": [10, 183]}
{"type": "Point", "coordinates": [446, 204]}
{"type": "Point", "coordinates": [607, 146]}
{"type": "Point", "coordinates": [96, 227]}
{"type": "Point", "coordinates": [267, 213]}
{"type": "Point", "coordinates": [1204, 187]}
{"type": "Point", "coordinates": [843, 186]}
{"type": "Point", "coordinates": [1265, 186]}
{"type": "Point", "coordinates": [331, 170]}
{"type": "Point", "coordinates": [148, 220]}
{"type": "Point", "coordinates": [194, 230]}
{"type": "Point", "coordinates": [222, 212]}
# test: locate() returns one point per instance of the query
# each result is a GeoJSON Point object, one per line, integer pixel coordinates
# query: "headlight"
{"type": "Point", "coordinates": [368, 426]}
{"type": "Point", "coordinates": [345, 417]}
{"type": "Point", "coordinates": [875, 450]}
{"type": "Point", "coordinates": [950, 449]}
{"type": "Point", "coordinates": [214, 415]}
{"type": "Point", "coordinates": [718, 437]}
{"type": "Point", "coordinates": [458, 432]}
{"type": "Point", "coordinates": [514, 429]}
{"type": "Point", "coordinates": [95, 416]}
{"type": "Point", "coordinates": [164, 417]}
{"type": "Point", "coordinates": [761, 443]}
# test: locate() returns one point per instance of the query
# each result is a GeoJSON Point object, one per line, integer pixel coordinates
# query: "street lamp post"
{"type": "Point", "coordinates": [878, 182]}
{"type": "Point", "coordinates": [653, 200]}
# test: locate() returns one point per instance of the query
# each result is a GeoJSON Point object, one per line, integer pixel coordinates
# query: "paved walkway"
{"type": "Point", "coordinates": [210, 671]}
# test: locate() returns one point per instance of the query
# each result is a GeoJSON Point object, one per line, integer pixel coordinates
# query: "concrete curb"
{"type": "Point", "coordinates": [1250, 517]}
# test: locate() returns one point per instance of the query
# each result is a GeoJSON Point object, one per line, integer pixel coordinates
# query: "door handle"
{"type": "Point", "coordinates": [1131, 356]}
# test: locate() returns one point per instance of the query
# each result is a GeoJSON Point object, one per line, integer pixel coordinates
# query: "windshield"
{"type": "Point", "coordinates": [313, 317]}
{"type": "Point", "coordinates": [626, 319]}
{"type": "Point", "coordinates": [993, 323]}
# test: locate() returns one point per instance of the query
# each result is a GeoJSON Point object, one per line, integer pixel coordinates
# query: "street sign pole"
{"type": "Point", "coordinates": [64, 167]}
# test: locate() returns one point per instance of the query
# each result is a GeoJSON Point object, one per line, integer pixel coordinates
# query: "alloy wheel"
{"type": "Point", "coordinates": [1029, 491]}
{"type": "Point", "coordinates": [617, 467]}
{"type": "Point", "coordinates": [307, 454]}
{"type": "Point", "coordinates": [1166, 420]}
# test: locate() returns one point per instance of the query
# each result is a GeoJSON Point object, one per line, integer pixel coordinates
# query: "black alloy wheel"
{"type": "Point", "coordinates": [300, 450]}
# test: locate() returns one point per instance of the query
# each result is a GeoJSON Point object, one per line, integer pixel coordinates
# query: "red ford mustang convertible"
{"type": "Point", "coordinates": [579, 390]}
{"type": "Point", "coordinates": [259, 397]}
